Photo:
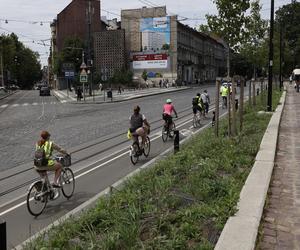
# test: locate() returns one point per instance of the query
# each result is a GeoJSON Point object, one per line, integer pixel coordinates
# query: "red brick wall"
{"type": "Point", "coordinates": [72, 21]}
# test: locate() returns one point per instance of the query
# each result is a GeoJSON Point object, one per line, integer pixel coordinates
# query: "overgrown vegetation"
{"type": "Point", "coordinates": [182, 202]}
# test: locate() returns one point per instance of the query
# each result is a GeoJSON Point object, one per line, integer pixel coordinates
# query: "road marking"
{"type": "Point", "coordinates": [25, 104]}
{"type": "Point", "coordinates": [106, 162]}
{"type": "Point", "coordinates": [35, 103]}
{"type": "Point", "coordinates": [63, 101]}
{"type": "Point", "coordinates": [15, 105]}
{"type": "Point", "coordinates": [4, 106]}
{"type": "Point", "coordinates": [43, 112]}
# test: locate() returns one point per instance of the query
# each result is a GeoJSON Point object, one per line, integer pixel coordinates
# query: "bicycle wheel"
{"type": "Point", "coordinates": [67, 182]}
{"type": "Point", "coordinates": [171, 130]}
{"type": "Point", "coordinates": [36, 199]}
{"type": "Point", "coordinates": [134, 152]}
{"type": "Point", "coordinates": [164, 134]}
{"type": "Point", "coordinates": [147, 147]}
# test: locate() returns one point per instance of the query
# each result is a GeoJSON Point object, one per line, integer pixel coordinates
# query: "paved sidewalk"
{"type": "Point", "coordinates": [280, 226]}
{"type": "Point", "coordinates": [65, 96]}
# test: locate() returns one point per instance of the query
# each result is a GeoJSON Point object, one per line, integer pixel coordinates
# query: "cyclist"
{"type": "Point", "coordinates": [139, 125]}
{"type": "Point", "coordinates": [168, 108]}
{"type": "Point", "coordinates": [224, 93]}
{"type": "Point", "coordinates": [206, 101]}
{"type": "Point", "coordinates": [48, 147]}
{"type": "Point", "coordinates": [197, 104]}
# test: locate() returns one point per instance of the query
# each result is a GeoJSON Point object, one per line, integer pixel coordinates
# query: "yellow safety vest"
{"type": "Point", "coordinates": [47, 146]}
{"type": "Point", "coordinates": [224, 91]}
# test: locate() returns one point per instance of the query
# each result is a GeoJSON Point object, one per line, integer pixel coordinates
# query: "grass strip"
{"type": "Point", "coordinates": [182, 202]}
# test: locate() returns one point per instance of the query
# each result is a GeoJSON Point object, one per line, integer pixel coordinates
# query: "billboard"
{"type": "Point", "coordinates": [156, 33]}
{"type": "Point", "coordinates": [150, 61]}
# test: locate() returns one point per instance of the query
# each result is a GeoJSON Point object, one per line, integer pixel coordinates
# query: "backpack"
{"type": "Point", "coordinates": [40, 159]}
{"type": "Point", "coordinates": [195, 101]}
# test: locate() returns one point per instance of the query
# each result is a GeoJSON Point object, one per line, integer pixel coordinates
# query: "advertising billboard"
{"type": "Point", "coordinates": [150, 61]}
{"type": "Point", "coordinates": [156, 33]}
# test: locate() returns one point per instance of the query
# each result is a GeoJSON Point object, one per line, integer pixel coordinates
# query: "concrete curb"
{"type": "Point", "coordinates": [240, 231]}
{"type": "Point", "coordinates": [117, 186]}
{"type": "Point", "coordinates": [3, 97]}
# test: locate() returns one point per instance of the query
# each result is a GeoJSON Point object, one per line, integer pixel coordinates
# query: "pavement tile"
{"type": "Point", "coordinates": [281, 223]}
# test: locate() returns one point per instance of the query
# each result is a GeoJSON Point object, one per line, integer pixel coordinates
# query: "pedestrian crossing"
{"type": "Point", "coordinates": [28, 104]}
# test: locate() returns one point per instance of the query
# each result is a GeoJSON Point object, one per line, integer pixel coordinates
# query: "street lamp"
{"type": "Point", "coordinates": [270, 78]}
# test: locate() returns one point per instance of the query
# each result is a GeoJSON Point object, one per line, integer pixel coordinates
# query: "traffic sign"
{"type": "Point", "coordinates": [83, 72]}
{"type": "Point", "coordinates": [83, 78]}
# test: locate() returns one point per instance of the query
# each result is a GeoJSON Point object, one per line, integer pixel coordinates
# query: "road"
{"type": "Point", "coordinates": [94, 134]}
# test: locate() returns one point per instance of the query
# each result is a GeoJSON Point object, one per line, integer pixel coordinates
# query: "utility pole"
{"type": "Point", "coordinates": [270, 78]}
{"type": "Point", "coordinates": [2, 74]}
{"type": "Point", "coordinates": [89, 22]}
{"type": "Point", "coordinates": [280, 59]}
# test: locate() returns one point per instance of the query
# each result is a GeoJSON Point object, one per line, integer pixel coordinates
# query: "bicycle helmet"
{"type": "Point", "coordinates": [168, 101]}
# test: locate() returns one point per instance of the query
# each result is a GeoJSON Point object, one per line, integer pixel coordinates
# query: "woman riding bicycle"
{"type": "Point", "coordinates": [139, 125]}
{"type": "Point", "coordinates": [48, 147]}
{"type": "Point", "coordinates": [168, 108]}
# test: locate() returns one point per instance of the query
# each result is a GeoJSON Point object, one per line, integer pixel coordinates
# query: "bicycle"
{"type": "Point", "coordinates": [197, 120]}
{"type": "Point", "coordinates": [135, 149]}
{"type": "Point", "coordinates": [168, 131]}
{"type": "Point", "coordinates": [41, 191]}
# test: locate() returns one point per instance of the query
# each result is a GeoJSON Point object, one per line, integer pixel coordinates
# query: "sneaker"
{"type": "Point", "coordinates": [56, 195]}
{"type": "Point", "coordinates": [56, 185]}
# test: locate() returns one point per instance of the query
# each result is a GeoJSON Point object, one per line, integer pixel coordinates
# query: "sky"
{"type": "Point", "coordinates": [30, 19]}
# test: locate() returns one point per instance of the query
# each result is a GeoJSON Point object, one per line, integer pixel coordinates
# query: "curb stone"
{"type": "Point", "coordinates": [240, 230]}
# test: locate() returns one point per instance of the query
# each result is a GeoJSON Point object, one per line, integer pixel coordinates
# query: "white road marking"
{"type": "Point", "coordinates": [43, 111]}
{"type": "Point", "coordinates": [35, 103]}
{"type": "Point", "coordinates": [15, 105]}
{"type": "Point", "coordinates": [25, 104]}
{"type": "Point", "coordinates": [63, 101]}
{"type": "Point", "coordinates": [4, 106]}
{"type": "Point", "coordinates": [104, 163]}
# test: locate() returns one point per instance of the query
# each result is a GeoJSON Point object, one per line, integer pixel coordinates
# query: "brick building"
{"type": "Point", "coordinates": [72, 21]}
{"type": "Point", "coordinates": [109, 52]}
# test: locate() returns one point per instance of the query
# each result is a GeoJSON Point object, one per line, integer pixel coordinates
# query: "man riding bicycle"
{"type": "Point", "coordinates": [139, 125]}
{"type": "Point", "coordinates": [168, 109]}
{"type": "Point", "coordinates": [197, 104]}
{"type": "Point", "coordinates": [51, 165]}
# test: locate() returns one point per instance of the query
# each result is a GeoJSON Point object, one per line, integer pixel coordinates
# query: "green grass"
{"type": "Point", "coordinates": [182, 202]}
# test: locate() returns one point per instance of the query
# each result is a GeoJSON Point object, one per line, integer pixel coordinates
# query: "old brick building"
{"type": "Point", "coordinates": [72, 21]}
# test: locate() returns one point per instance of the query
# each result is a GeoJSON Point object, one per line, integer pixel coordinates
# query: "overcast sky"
{"type": "Point", "coordinates": [30, 19]}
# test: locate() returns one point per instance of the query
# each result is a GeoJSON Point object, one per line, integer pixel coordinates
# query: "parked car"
{"type": "Point", "coordinates": [45, 91]}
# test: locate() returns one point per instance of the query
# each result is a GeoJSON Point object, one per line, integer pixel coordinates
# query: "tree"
{"type": "Point", "coordinates": [230, 21]}
{"type": "Point", "coordinates": [288, 17]}
{"type": "Point", "coordinates": [256, 29]}
{"type": "Point", "coordinates": [21, 64]}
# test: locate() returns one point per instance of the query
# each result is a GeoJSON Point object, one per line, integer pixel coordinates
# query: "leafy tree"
{"type": "Point", "coordinates": [71, 53]}
{"type": "Point", "coordinates": [256, 29]}
{"type": "Point", "coordinates": [288, 16]}
{"type": "Point", "coordinates": [21, 65]}
{"type": "Point", "coordinates": [230, 21]}
{"type": "Point", "coordinates": [123, 76]}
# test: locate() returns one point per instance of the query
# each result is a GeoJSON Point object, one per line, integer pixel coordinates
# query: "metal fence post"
{"type": "Point", "coordinates": [3, 245]}
{"type": "Point", "coordinates": [176, 141]}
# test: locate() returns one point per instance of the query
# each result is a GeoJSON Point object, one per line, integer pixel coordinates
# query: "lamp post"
{"type": "Point", "coordinates": [270, 78]}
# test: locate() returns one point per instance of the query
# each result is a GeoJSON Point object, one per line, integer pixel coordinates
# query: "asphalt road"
{"type": "Point", "coordinates": [96, 136]}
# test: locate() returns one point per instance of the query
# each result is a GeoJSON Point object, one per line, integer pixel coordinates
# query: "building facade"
{"type": "Point", "coordinates": [109, 52]}
{"type": "Point", "coordinates": [165, 48]}
{"type": "Point", "coordinates": [72, 21]}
